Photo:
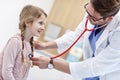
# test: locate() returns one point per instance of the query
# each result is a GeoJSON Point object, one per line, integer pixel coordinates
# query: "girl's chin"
{"type": "Point", "coordinates": [37, 35]}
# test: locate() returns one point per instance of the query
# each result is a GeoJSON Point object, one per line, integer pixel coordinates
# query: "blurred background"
{"type": "Point", "coordinates": [63, 16]}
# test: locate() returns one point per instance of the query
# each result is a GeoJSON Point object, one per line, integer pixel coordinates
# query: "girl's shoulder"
{"type": "Point", "coordinates": [16, 36]}
{"type": "Point", "coordinates": [15, 39]}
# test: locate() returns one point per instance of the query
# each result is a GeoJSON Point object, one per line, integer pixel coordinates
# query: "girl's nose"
{"type": "Point", "coordinates": [43, 27]}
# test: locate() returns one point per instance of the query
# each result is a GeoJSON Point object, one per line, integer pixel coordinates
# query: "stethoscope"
{"type": "Point", "coordinates": [64, 52]}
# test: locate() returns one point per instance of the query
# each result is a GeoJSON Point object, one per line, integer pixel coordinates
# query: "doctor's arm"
{"type": "Point", "coordinates": [44, 45]}
{"type": "Point", "coordinates": [107, 61]}
{"type": "Point", "coordinates": [62, 42]}
{"type": "Point", "coordinates": [43, 61]}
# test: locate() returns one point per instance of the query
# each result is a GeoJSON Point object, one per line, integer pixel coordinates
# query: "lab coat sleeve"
{"type": "Point", "coordinates": [10, 53]}
{"type": "Point", "coordinates": [105, 62]}
{"type": "Point", "coordinates": [67, 39]}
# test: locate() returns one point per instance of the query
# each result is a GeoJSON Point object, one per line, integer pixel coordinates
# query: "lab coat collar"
{"type": "Point", "coordinates": [111, 26]}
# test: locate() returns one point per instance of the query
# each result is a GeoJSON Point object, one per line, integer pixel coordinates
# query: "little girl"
{"type": "Point", "coordinates": [15, 58]}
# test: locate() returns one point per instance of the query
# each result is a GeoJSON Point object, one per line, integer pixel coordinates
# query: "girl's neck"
{"type": "Point", "coordinates": [27, 36]}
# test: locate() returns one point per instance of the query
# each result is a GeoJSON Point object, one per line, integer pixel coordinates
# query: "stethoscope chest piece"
{"type": "Point", "coordinates": [30, 56]}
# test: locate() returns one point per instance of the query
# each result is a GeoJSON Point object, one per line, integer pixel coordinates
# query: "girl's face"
{"type": "Point", "coordinates": [37, 26]}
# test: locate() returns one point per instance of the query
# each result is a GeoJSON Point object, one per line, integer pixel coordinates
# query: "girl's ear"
{"type": "Point", "coordinates": [27, 24]}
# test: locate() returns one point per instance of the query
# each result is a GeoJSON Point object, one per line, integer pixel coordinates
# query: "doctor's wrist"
{"type": "Point", "coordinates": [50, 64]}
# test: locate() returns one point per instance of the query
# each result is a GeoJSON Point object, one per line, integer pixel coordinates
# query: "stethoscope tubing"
{"type": "Point", "coordinates": [64, 52]}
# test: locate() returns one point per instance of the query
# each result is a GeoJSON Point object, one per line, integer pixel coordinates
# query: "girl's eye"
{"type": "Point", "coordinates": [41, 23]}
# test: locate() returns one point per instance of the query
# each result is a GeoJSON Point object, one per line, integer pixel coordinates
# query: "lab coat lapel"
{"type": "Point", "coordinates": [88, 49]}
{"type": "Point", "coordinates": [102, 37]}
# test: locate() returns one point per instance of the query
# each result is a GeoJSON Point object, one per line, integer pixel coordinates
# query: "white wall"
{"type": "Point", "coordinates": [9, 16]}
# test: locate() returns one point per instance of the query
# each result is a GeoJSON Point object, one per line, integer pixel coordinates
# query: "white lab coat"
{"type": "Point", "coordinates": [106, 62]}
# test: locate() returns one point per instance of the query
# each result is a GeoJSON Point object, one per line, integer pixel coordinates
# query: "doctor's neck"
{"type": "Point", "coordinates": [101, 26]}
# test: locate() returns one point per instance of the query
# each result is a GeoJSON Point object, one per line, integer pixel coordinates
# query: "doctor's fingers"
{"type": "Point", "coordinates": [37, 63]}
{"type": "Point", "coordinates": [39, 45]}
{"type": "Point", "coordinates": [40, 60]}
{"type": "Point", "coordinates": [40, 64]}
{"type": "Point", "coordinates": [35, 58]}
{"type": "Point", "coordinates": [36, 44]}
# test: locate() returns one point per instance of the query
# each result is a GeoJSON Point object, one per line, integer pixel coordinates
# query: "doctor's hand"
{"type": "Point", "coordinates": [39, 45]}
{"type": "Point", "coordinates": [44, 45]}
{"type": "Point", "coordinates": [59, 64]}
{"type": "Point", "coordinates": [41, 62]}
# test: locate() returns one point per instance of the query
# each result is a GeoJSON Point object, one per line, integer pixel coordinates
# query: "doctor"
{"type": "Point", "coordinates": [101, 46]}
